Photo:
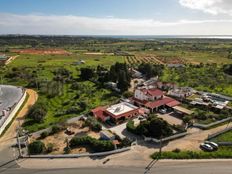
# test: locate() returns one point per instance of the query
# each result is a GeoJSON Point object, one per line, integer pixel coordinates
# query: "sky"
{"type": "Point", "coordinates": [116, 17]}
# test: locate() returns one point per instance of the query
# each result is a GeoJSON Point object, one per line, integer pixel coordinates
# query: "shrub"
{"type": "Point", "coordinates": [37, 112]}
{"type": "Point", "coordinates": [50, 147]}
{"type": "Point", "coordinates": [128, 94]}
{"type": "Point", "coordinates": [95, 144]}
{"type": "Point", "coordinates": [36, 147]}
{"type": "Point", "coordinates": [44, 135]}
{"type": "Point", "coordinates": [93, 124]}
{"type": "Point", "coordinates": [131, 127]}
{"type": "Point", "coordinates": [73, 110]}
{"type": "Point", "coordinates": [176, 150]}
{"type": "Point", "coordinates": [55, 129]}
{"type": "Point", "coordinates": [125, 142]}
{"type": "Point", "coordinates": [67, 150]}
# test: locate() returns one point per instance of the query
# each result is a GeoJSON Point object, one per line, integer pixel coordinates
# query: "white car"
{"type": "Point", "coordinates": [163, 111]}
{"type": "Point", "coordinates": [206, 147]}
{"type": "Point", "coordinates": [212, 144]}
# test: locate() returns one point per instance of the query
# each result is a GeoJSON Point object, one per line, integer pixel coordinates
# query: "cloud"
{"type": "Point", "coordinates": [213, 7]}
{"type": "Point", "coordinates": [80, 25]}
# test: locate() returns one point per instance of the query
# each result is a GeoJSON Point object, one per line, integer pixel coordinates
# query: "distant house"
{"type": "Point", "coordinates": [181, 92]}
{"type": "Point", "coordinates": [148, 94]}
{"type": "Point", "coordinates": [112, 85]}
{"type": "Point", "coordinates": [107, 135]}
{"type": "Point", "coordinates": [175, 65]}
{"type": "Point", "coordinates": [3, 59]}
{"type": "Point", "coordinates": [136, 74]}
{"type": "Point", "coordinates": [116, 113]}
{"type": "Point", "coordinates": [79, 62]}
{"type": "Point", "coordinates": [153, 83]}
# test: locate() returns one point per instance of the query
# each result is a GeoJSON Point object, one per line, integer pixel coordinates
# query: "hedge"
{"type": "Point", "coordinates": [95, 144]}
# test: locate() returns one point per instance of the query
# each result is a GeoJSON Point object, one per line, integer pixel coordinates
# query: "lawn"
{"type": "Point", "coordinates": [225, 137]}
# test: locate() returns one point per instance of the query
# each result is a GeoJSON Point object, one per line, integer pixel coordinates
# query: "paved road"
{"type": "Point", "coordinates": [8, 154]}
{"type": "Point", "coordinates": [161, 168]}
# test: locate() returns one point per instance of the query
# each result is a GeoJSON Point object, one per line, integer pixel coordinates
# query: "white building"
{"type": "Point", "coordinates": [148, 94]}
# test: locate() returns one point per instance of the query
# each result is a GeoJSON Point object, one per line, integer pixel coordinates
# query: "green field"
{"type": "Point", "coordinates": [90, 94]}
{"type": "Point", "coordinates": [45, 65]}
{"type": "Point", "coordinates": [225, 137]}
{"type": "Point", "coordinates": [196, 57]}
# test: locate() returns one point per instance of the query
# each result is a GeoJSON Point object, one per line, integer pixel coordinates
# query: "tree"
{"type": "Point", "coordinates": [86, 73]}
{"type": "Point", "coordinates": [153, 127]}
{"type": "Point", "coordinates": [36, 147]}
{"type": "Point", "coordinates": [150, 70]}
{"type": "Point", "coordinates": [159, 128]}
{"type": "Point", "coordinates": [123, 83]}
{"type": "Point", "coordinates": [37, 112]}
{"type": "Point", "coordinates": [228, 69]}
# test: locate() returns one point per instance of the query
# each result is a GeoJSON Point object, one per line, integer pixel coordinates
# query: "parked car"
{"type": "Point", "coordinates": [140, 117]}
{"type": "Point", "coordinates": [212, 144]}
{"type": "Point", "coordinates": [163, 111]}
{"type": "Point", "coordinates": [206, 147]}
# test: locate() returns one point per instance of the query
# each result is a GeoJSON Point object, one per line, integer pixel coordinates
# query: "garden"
{"type": "Point", "coordinates": [74, 138]}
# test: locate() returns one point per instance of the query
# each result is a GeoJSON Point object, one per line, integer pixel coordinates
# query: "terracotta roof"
{"type": "Point", "coordinates": [152, 92]}
{"type": "Point", "coordinates": [173, 103]}
{"type": "Point", "coordinates": [99, 112]}
{"type": "Point", "coordinates": [165, 101]}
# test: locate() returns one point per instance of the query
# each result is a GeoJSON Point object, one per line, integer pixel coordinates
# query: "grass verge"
{"type": "Point", "coordinates": [222, 153]}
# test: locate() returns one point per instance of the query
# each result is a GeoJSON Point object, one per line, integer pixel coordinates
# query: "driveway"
{"type": "Point", "coordinates": [121, 131]}
{"type": "Point", "coordinates": [170, 119]}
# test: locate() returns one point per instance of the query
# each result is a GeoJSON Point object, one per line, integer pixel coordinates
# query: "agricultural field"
{"type": "Point", "coordinates": [193, 57]}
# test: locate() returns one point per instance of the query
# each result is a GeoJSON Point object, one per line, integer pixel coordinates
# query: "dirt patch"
{"type": "Point", "coordinates": [59, 140]}
{"type": "Point", "coordinates": [41, 51]}
{"type": "Point", "coordinates": [97, 53]}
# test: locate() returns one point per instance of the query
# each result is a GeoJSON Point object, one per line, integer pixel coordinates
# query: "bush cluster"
{"type": "Point", "coordinates": [95, 144]}
{"type": "Point", "coordinates": [93, 124]}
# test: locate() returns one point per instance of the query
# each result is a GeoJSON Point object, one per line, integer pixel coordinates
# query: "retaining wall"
{"type": "Point", "coordinates": [165, 139]}
{"type": "Point", "coordinates": [219, 133]}
{"type": "Point", "coordinates": [207, 126]}
{"type": "Point", "coordinates": [80, 155]}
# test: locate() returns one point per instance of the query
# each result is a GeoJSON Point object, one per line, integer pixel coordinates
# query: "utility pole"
{"type": "Point", "coordinates": [18, 140]}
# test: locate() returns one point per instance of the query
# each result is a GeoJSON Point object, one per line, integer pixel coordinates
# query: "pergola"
{"type": "Point", "coordinates": [183, 110]}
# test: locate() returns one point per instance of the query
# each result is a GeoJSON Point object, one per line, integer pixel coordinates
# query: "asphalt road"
{"type": "Point", "coordinates": [178, 168]}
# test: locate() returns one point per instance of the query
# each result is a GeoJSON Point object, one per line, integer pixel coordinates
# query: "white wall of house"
{"type": "Point", "coordinates": [141, 96]}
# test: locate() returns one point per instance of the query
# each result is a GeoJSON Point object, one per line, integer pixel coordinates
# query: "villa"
{"type": "Point", "coordinates": [116, 113]}
{"type": "Point", "coordinates": [153, 99]}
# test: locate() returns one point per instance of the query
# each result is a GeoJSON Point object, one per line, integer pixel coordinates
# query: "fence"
{"type": "Point", "coordinates": [207, 126]}
{"type": "Point", "coordinates": [13, 112]}
{"type": "Point", "coordinates": [165, 139]}
{"type": "Point", "coordinates": [219, 133]}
